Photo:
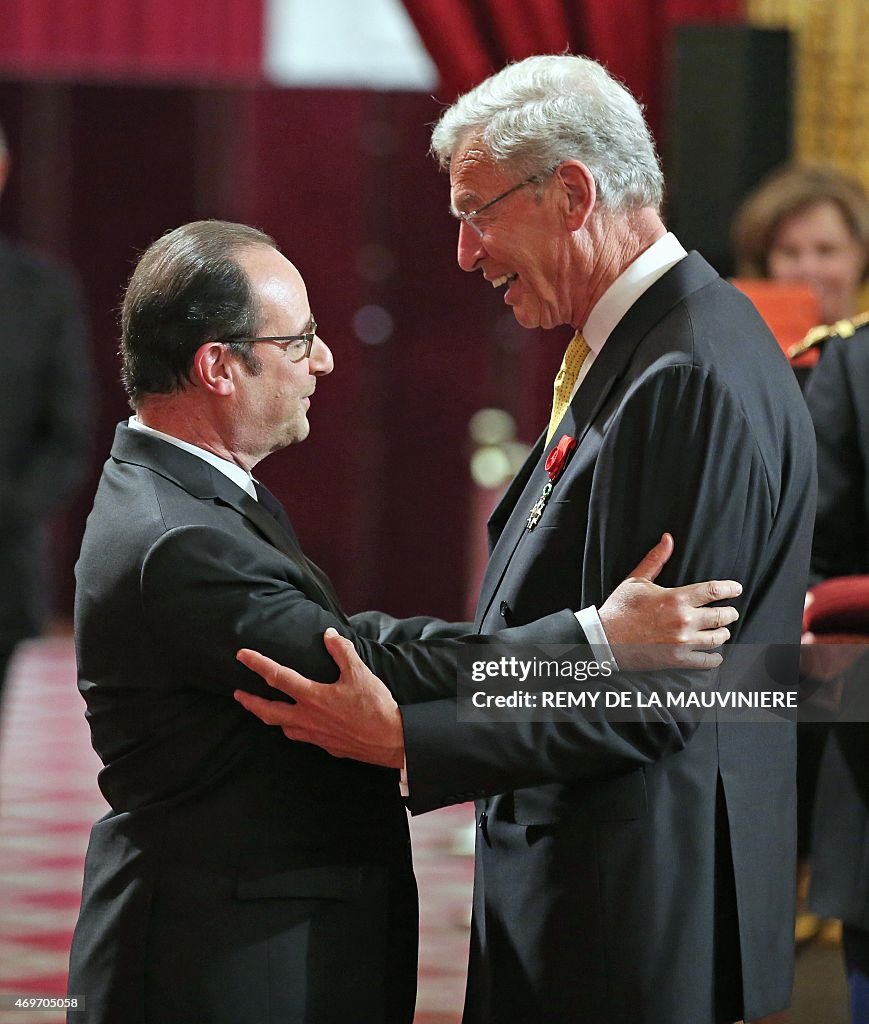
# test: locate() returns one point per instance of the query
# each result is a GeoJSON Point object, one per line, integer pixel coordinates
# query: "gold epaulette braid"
{"type": "Point", "coordinates": [818, 335]}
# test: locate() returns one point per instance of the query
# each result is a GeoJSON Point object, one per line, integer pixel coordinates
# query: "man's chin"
{"type": "Point", "coordinates": [294, 433]}
{"type": "Point", "coordinates": [302, 430]}
{"type": "Point", "coordinates": [526, 318]}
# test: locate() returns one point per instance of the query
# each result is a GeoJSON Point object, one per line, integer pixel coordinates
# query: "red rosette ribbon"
{"type": "Point", "coordinates": [557, 458]}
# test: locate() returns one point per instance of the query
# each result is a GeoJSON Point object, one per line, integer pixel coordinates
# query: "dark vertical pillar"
{"type": "Point", "coordinates": [729, 123]}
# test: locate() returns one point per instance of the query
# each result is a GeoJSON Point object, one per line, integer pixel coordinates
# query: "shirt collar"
{"type": "Point", "coordinates": [236, 474]}
{"type": "Point", "coordinates": [637, 278]}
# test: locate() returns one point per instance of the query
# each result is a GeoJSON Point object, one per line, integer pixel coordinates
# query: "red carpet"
{"type": "Point", "coordinates": [49, 800]}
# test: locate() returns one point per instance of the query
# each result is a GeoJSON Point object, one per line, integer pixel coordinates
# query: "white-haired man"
{"type": "Point", "coordinates": [625, 872]}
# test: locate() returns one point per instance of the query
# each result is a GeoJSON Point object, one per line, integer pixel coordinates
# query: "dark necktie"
{"type": "Point", "coordinates": [271, 504]}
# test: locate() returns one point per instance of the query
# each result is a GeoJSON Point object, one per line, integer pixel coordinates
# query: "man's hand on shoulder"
{"type": "Point", "coordinates": [354, 717]}
{"type": "Point", "coordinates": [652, 627]}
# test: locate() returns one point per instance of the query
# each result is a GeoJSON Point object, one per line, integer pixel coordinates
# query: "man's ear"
{"type": "Point", "coordinates": [579, 190]}
{"type": "Point", "coordinates": [214, 368]}
{"type": "Point", "coordinates": [5, 164]}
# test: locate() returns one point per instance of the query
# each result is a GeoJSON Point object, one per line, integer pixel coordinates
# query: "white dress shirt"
{"type": "Point", "coordinates": [611, 307]}
{"type": "Point", "coordinates": [236, 474]}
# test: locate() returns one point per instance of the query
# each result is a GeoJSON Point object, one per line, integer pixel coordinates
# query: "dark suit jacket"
{"type": "Point", "coordinates": [836, 395]}
{"type": "Point", "coordinates": [45, 421]}
{"type": "Point", "coordinates": [838, 399]}
{"type": "Point", "coordinates": [634, 873]}
{"type": "Point", "coordinates": [238, 877]}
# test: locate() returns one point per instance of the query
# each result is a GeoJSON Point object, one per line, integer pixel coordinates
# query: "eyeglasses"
{"type": "Point", "coordinates": [296, 346]}
{"type": "Point", "coordinates": [470, 218]}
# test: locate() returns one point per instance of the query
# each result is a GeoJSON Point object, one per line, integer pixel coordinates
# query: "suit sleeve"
{"type": "Point", "coordinates": [679, 456]}
{"type": "Point", "coordinates": [206, 592]}
{"type": "Point", "coordinates": [840, 527]}
{"type": "Point", "coordinates": [388, 630]}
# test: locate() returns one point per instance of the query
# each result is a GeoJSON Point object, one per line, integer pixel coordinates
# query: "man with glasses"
{"type": "Point", "coordinates": [238, 878]}
{"type": "Point", "coordinates": [639, 873]}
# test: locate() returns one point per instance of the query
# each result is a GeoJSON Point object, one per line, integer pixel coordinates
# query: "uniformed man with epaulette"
{"type": "Point", "coordinates": [823, 333]}
{"type": "Point", "coordinates": [809, 224]}
{"type": "Point", "coordinates": [837, 394]}
{"type": "Point", "coordinates": [815, 341]}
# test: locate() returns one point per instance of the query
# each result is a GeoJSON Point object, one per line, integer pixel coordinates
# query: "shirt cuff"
{"type": "Point", "coordinates": [589, 620]}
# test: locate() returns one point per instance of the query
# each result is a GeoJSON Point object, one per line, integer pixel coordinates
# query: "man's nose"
{"type": "Point", "coordinates": [470, 247]}
{"type": "Point", "coordinates": [320, 360]}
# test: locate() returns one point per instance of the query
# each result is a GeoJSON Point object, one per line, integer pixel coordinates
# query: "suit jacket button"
{"type": "Point", "coordinates": [504, 610]}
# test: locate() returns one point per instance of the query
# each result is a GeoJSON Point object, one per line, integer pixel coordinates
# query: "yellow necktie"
{"type": "Point", "coordinates": [565, 379]}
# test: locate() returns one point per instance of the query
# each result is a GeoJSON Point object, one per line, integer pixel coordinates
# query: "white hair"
{"type": "Point", "coordinates": [536, 113]}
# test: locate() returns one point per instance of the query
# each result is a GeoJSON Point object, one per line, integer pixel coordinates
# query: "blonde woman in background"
{"type": "Point", "coordinates": [807, 224]}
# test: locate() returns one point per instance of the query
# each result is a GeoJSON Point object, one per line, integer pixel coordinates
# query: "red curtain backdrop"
{"type": "Point", "coordinates": [342, 179]}
{"type": "Point", "coordinates": [381, 492]}
{"type": "Point", "coordinates": [469, 39]}
{"type": "Point", "coordinates": [217, 39]}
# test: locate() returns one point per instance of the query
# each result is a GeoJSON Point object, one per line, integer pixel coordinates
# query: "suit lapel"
{"type": "Point", "coordinates": [206, 483]}
{"type": "Point", "coordinates": [260, 516]}
{"type": "Point", "coordinates": [507, 524]}
{"type": "Point", "coordinates": [517, 503]}
{"type": "Point", "coordinates": [512, 512]}
{"type": "Point", "coordinates": [278, 512]}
